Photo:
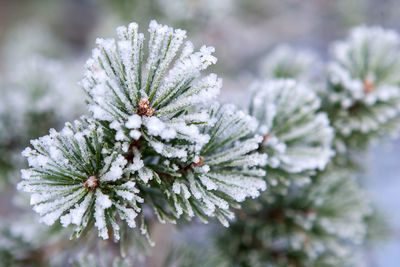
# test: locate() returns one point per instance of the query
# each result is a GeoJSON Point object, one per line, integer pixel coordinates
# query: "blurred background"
{"type": "Point", "coordinates": [45, 43]}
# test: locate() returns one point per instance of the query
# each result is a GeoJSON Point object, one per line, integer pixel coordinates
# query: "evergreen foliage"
{"type": "Point", "coordinates": [157, 147]}
{"type": "Point", "coordinates": [23, 241]}
{"type": "Point", "coordinates": [363, 94]}
{"type": "Point", "coordinates": [323, 222]}
{"type": "Point", "coordinates": [151, 142]}
{"type": "Point", "coordinates": [297, 138]}
{"type": "Point", "coordinates": [315, 225]}
{"type": "Point", "coordinates": [30, 105]}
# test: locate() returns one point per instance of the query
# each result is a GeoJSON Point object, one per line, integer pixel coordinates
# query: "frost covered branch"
{"type": "Point", "coordinates": [152, 141]}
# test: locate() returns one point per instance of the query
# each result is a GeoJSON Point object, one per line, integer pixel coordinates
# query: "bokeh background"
{"type": "Point", "coordinates": [242, 31]}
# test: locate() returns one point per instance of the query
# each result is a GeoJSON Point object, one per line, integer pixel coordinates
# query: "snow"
{"type": "Point", "coordinates": [145, 174]}
{"type": "Point", "coordinates": [128, 215]}
{"type": "Point", "coordinates": [359, 83]}
{"type": "Point", "coordinates": [137, 162]}
{"type": "Point", "coordinates": [116, 169]}
{"type": "Point", "coordinates": [154, 125]}
{"type": "Point", "coordinates": [134, 121]}
{"type": "Point", "coordinates": [306, 142]}
{"type": "Point", "coordinates": [75, 215]}
{"type": "Point", "coordinates": [135, 134]}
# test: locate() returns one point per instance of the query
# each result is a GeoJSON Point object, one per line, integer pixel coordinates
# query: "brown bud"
{"type": "Point", "coordinates": [91, 182]}
{"type": "Point", "coordinates": [144, 108]}
{"type": "Point", "coordinates": [149, 112]}
{"type": "Point", "coordinates": [368, 85]}
{"type": "Point", "coordinates": [265, 138]}
{"type": "Point", "coordinates": [199, 162]}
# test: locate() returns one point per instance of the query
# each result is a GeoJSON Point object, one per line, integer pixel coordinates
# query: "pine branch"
{"type": "Point", "coordinates": [363, 97]}
{"type": "Point", "coordinates": [152, 142]}
{"type": "Point", "coordinates": [297, 138]}
{"type": "Point", "coordinates": [316, 225]}
{"type": "Point", "coordinates": [154, 100]}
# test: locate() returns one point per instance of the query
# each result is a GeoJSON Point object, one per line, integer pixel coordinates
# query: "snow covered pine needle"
{"type": "Point", "coordinates": [155, 103]}
{"type": "Point", "coordinates": [363, 89]}
{"type": "Point", "coordinates": [316, 225]}
{"type": "Point", "coordinates": [297, 138]}
{"type": "Point", "coordinates": [152, 141]}
{"type": "Point", "coordinates": [74, 176]}
{"type": "Point", "coordinates": [286, 62]}
{"type": "Point", "coordinates": [227, 170]}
